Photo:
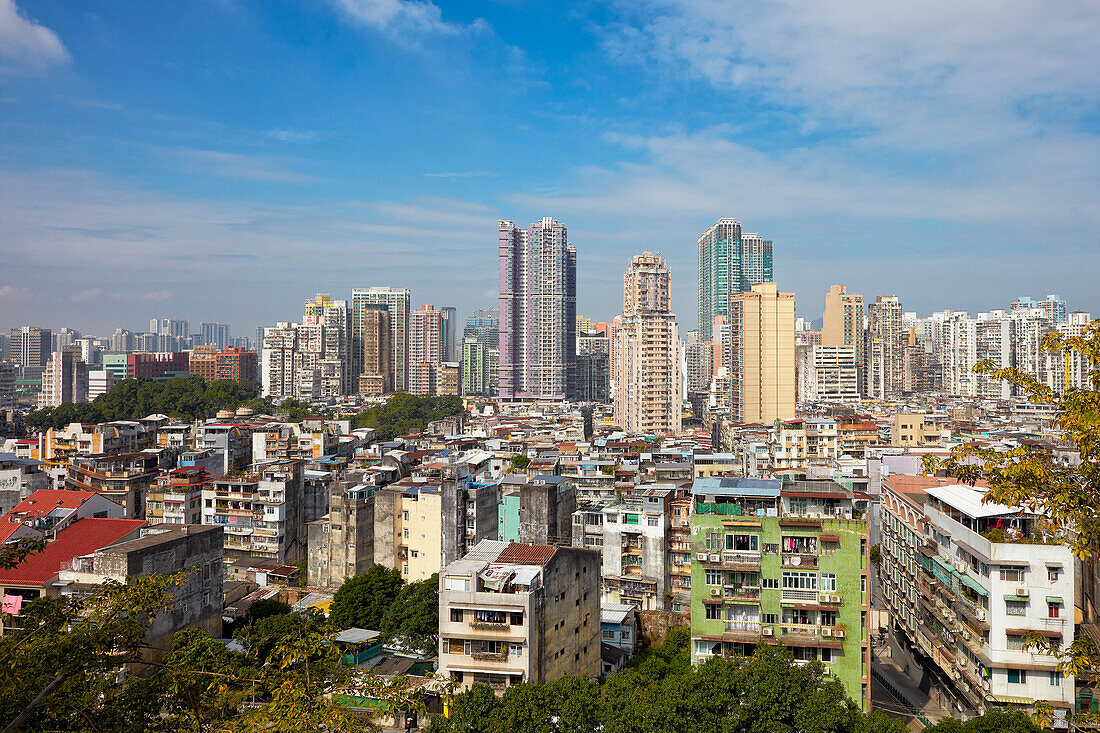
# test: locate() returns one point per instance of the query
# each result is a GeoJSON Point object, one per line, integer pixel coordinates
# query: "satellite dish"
{"type": "Point", "coordinates": [796, 560]}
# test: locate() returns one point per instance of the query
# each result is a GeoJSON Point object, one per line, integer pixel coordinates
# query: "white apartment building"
{"type": "Point", "coordinates": [976, 589]}
{"type": "Point", "coordinates": [512, 613]}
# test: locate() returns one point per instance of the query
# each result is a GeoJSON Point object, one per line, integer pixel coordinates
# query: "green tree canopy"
{"type": "Point", "coordinates": [414, 614]}
{"type": "Point", "coordinates": [362, 601]}
{"type": "Point", "coordinates": [405, 414]}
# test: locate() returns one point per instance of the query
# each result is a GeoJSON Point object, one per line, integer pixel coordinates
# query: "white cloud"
{"type": "Point", "coordinates": [405, 20]}
{"type": "Point", "coordinates": [236, 165]}
{"type": "Point", "coordinates": [26, 43]}
{"type": "Point", "coordinates": [933, 74]}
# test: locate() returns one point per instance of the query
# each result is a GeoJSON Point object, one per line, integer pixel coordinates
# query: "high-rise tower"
{"type": "Point", "coordinates": [729, 262]}
{"type": "Point", "coordinates": [538, 312]}
{"type": "Point", "coordinates": [761, 355]}
{"type": "Point", "coordinates": [842, 324]}
{"type": "Point", "coordinates": [648, 396]}
{"type": "Point", "coordinates": [396, 301]}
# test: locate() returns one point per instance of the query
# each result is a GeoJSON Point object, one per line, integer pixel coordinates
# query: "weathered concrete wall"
{"type": "Point", "coordinates": [656, 624]}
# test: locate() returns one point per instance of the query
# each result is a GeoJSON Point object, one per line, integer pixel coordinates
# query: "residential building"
{"type": "Point", "coordinates": [49, 511]}
{"type": "Point", "coordinates": [30, 348]}
{"type": "Point", "coordinates": [261, 512]}
{"type": "Point", "coordinates": [64, 380]}
{"type": "Point", "coordinates": [761, 363]}
{"type": "Point", "coordinates": [450, 333]}
{"type": "Point", "coordinates": [124, 478]}
{"type": "Point", "coordinates": [213, 334]}
{"type": "Point", "coordinates": [842, 324]}
{"type": "Point", "coordinates": [202, 362]}
{"type": "Point", "coordinates": [883, 348]}
{"type": "Point", "coordinates": [371, 349]}
{"type": "Point", "coordinates": [511, 613]}
{"type": "Point", "coordinates": [481, 352]}
{"type": "Point", "coordinates": [38, 575]}
{"type": "Point", "coordinates": [782, 563]}
{"type": "Point", "coordinates": [593, 369]}
{"type": "Point", "coordinates": [176, 497]}
{"type": "Point", "coordinates": [236, 364]}
{"type": "Point", "coordinates": [396, 301]}
{"type": "Point", "coordinates": [538, 312]}
{"type": "Point", "coordinates": [194, 551]}
{"type": "Point", "coordinates": [341, 544]}
{"type": "Point", "coordinates": [986, 576]}
{"type": "Point", "coordinates": [475, 367]}
{"type": "Point", "coordinates": [427, 349]}
{"type": "Point", "coordinates": [7, 385]}
{"type": "Point", "coordinates": [913, 430]}
{"type": "Point", "coordinates": [619, 626]}
{"type": "Point", "coordinates": [635, 552]}
{"type": "Point", "coordinates": [648, 385]}
{"type": "Point", "coordinates": [305, 440]}
{"type": "Point", "coordinates": [425, 522]}
{"type": "Point", "coordinates": [157, 366]}
{"type": "Point", "coordinates": [729, 263]}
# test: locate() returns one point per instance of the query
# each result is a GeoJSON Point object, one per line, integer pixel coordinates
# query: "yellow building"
{"type": "Point", "coordinates": [761, 368]}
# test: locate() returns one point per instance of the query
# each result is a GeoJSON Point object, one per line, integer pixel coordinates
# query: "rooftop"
{"type": "Point", "coordinates": [81, 538]}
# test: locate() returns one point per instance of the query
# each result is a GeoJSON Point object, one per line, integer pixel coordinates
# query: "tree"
{"type": "Point", "coordinates": [1068, 497]}
{"type": "Point", "coordinates": [995, 721]}
{"type": "Point", "coordinates": [520, 461]}
{"type": "Point", "coordinates": [264, 608]}
{"type": "Point", "coordinates": [405, 414]}
{"type": "Point", "coordinates": [414, 614]}
{"type": "Point", "coordinates": [362, 601]}
{"type": "Point", "coordinates": [61, 668]}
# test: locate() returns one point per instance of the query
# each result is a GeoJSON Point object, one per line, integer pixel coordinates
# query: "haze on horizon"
{"type": "Point", "coordinates": [223, 160]}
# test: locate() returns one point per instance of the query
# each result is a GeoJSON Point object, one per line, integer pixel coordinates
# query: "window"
{"type": "Point", "coordinates": [1016, 643]}
{"type": "Point", "coordinates": [456, 582]}
{"type": "Point", "coordinates": [800, 580]}
{"type": "Point", "coordinates": [1013, 575]}
{"type": "Point", "coordinates": [652, 521]}
{"type": "Point", "coordinates": [770, 618]}
{"type": "Point", "coordinates": [714, 577]}
{"type": "Point", "coordinates": [405, 516]}
{"type": "Point", "coordinates": [714, 541]}
{"type": "Point", "coordinates": [1052, 574]}
{"type": "Point", "coordinates": [1017, 676]}
{"type": "Point", "coordinates": [826, 655]}
{"type": "Point", "coordinates": [743, 542]}
{"type": "Point", "coordinates": [516, 619]}
{"type": "Point", "coordinates": [714, 611]}
{"type": "Point", "coordinates": [414, 553]}
{"type": "Point", "coordinates": [1016, 608]}
{"type": "Point", "coordinates": [1055, 679]}
{"type": "Point", "coordinates": [610, 634]}
{"type": "Point", "coordinates": [828, 582]}
{"type": "Point", "coordinates": [769, 582]}
{"type": "Point", "coordinates": [405, 533]}
{"type": "Point", "coordinates": [1054, 610]}
{"type": "Point", "coordinates": [456, 614]}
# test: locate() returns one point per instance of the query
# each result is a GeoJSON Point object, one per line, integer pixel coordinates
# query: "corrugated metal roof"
{"type": "Point", "coordinates": [725, 486]}
{"type": "Point", "coordinates": [486, 550]}
{"type": "Point", "coordinates": [518, 554]}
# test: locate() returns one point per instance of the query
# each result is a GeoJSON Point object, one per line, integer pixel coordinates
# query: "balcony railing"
{"type": "Point", "coordinates": [794, 594]}
{"type": "Point", "coordinates": [792, 560]}
{"type": "Point", "coordinates": [743, 593]}
{"type": "Point", "coordinates": [747, 627]}
{"type": "Point", "coordinates": [490, 625]}
{"type": "Point", "coordinates": [800, 631]}
{"type": "Point", "coordinates": [501, 656]}
{"type": "Point", "coordinates": [740, 558]}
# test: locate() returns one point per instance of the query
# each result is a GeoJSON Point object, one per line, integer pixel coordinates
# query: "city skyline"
{"type": "Point", "coordinates": [133, 177]}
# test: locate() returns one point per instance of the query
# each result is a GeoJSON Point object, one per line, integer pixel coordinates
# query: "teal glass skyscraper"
{"type": "Point", "coordinates": [729, 262]}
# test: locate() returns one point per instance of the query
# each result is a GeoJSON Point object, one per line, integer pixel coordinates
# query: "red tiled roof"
{"type": "Point", "coordinates": [519, 554]}
{"type": "Point", "coordinates": [83, 537]}
{"type": "Point", "coordinates": [48, 499]}
{"type": "Point", "coordinates": [9, 526]}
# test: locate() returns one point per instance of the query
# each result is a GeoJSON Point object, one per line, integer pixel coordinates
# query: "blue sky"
{"type": "Point", "coordinates": [226, 159]}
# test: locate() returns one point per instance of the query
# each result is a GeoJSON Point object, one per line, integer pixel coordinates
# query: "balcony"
{"type": "Point", "coordinates": [791, 560]}
{"type": "Point", "coordinates": [741, 560]}
{"type": "Point", "coordinates": [805, 632]}
{"type": "Point", "coordinates": [742, 593]}
{"type": "Point", "coordinates": [490, 625]}
{"type": "Point", "coordinates": [501, 656]}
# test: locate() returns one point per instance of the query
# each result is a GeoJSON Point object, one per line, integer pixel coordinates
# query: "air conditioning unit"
{"type": "Point", "coordinates": [838, 633]}
{"type": "Point", "coordinates": [701, 557]}
{"type": "Point", "coordinates": [826, 632]}
{"type": "Point", "coordinates": [715, 591]}
{"type": "Point", "coordinates": [715, 558]}
{"type": "Point", "coordinates": [1022, 592]}
{"type": "Point", "coordinates": [767, 631]}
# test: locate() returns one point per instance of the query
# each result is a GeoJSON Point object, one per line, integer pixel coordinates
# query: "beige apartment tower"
{"type": "Point", "coordinates": [761, 363]}
{"type": "Point", "coordinates": [842, 323]}
{"type": "Point", "coordinates": [648, 385]}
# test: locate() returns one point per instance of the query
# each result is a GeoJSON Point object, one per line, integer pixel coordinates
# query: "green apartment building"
{"type": "Point", "coordinates": [782, 563]}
